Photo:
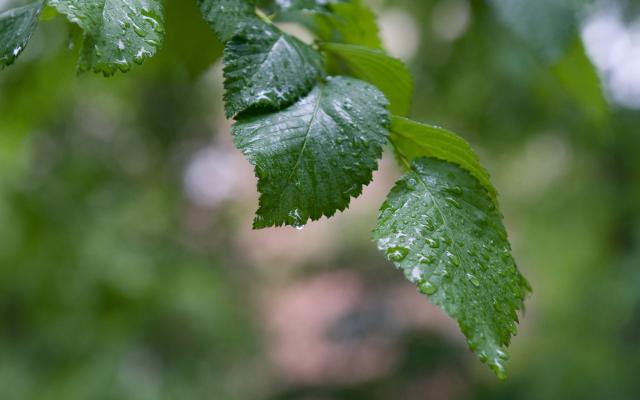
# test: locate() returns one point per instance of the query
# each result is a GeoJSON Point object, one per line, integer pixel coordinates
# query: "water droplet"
{"type": "Point", "coordinates": [455, 203]}
{"type": "Point", "coordinates": [397, 253]}
{"type": "Point", "coordinates": [453, 259]}
{"type": "Point", "coordinates": [498, 367]}
{"type": "Point", "coordinates": [427, 260]}
{"type": "Point", "coordinates": [455, 190]}
{"type": "Point", "coordinates": [473, 280]}
{"type": "Point", "coordinates": [416, 274]}
{"type": "Point", "coordinates": [427, 288]}
{"type": "Point", "coordinates": [429, 225]}
{"type": "Point", "coordinates": [433, 243]}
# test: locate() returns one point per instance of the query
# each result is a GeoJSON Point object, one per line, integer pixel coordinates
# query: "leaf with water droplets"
{"type": "Point", "coordinates": [314, 156]}
{"type": "Point", "coordinates": [440, 226]}
{"type": "Point", "coordinates": [266, 68]}
{"type": "Point", "coordinates": [388, 74]}
{"type": "Point", "coordinates": [117, 33]}
{"type": "Point", "coordinates": [414, 140]}
{"type": "Point", "coordinates": [16, 27]}
{"type": "Point", "coordinates": [226, 17]}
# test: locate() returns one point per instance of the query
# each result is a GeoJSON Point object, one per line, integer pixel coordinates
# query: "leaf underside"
{"type": "Point", "coordinates": [312, 157]}
{"type": "Point", "coordinates": [16, 27]}
{"type": "Point", "coordinates": [266, 68]}
{"type": "Point", "coordinates": [117, 33]}
{"type": "Point", "coordinates": [444, 232]}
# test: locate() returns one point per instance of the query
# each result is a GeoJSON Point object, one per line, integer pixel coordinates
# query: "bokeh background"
{"type": "Point", "coordinates": [128, 269]}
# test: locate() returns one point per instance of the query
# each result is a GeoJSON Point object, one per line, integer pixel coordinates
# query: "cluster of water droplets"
{"type": "Point", "coordinates": [125, 34]}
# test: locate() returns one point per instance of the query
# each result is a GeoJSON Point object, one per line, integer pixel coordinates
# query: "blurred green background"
{"type": "Point", "coordinates": [128, 269]}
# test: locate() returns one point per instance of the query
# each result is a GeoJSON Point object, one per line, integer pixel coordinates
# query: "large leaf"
{"type": "Point", "coordinates": [266, 68]}
{"type": "Point", "coordinates": [226, 16]}
{"type": "Point", "coordinates": [444, 232]}
{"type": "Point", "coordinates": [16, 27]}
{"type": "Point", "coordinates": [414, 140]}
{"type": "Point", "coordinates": [117, 33]}
{"type": "Point", "coordinates": [388, 74]}
{"type": "Point", "coordinates": [312, 157]}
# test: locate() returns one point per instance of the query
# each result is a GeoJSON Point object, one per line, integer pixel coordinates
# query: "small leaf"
{"type": "Point", "coordinates": [226, 17]}
{"type": "Point", "coordinates": [312, 157]}
{"type": "Point", "coordinates": [444, 232]}
{"type": "Point", "coordinates": [117, 33]}
{"type": "Point", "coordinates": [414, 140]}
{"type": "Point", "coordinates": [388, 74]}
{"type": "Point", "coordinates": [266, 68]}
{"type": "Point", "coordinates": [16, 27]}
{"type": "Point", "coordinates": [548, 26]}
{"type": "Point", "coordinates": [349, 23]}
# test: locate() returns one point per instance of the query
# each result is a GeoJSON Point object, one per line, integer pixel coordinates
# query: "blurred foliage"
{"type": "Point", "coordinates": [105, 291]}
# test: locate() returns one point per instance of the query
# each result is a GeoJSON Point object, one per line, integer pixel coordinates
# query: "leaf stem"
{"type": "Point", "coordinates": [263, 16]}
{"type": "Point", "coordinates": [401, 157]}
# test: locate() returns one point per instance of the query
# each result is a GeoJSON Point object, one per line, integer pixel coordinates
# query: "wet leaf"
{"type": "Point", "coordinates": [117, 33]}
{"type": "Point", "coordinates": [440, 227]}
{"type": "Point", "coordinates": [266, 68]}
{"type": "Point", "coordinates": [313, 157]}
{"type": "Point", "coordinates": [226, 17]}
{"type": "Point", "coordinates": [16, 27]}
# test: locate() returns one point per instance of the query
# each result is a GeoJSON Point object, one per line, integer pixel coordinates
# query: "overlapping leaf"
{"type": "Point", "coordinates": [266, 68]}
{"type": "Point", "coordinates": [350, 22]}
{"type": "Point", "coordinates": [117, 33]}
{"type": "Point", "coordinates": [388, 74]}
{"type": "Point", "coordinates": [444, 232]}
{"type": "Point", "coordinates": [312, 157]}
{"type": "Point", "coordinates": [226, 17]}
{"type": "Point", "coordinates": [16, 27]}
{"type": "Point", "coordinates": [414, 140]}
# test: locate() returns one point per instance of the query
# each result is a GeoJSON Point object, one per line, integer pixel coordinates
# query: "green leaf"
{"type": "Point", "coordinates": [295, 5]}
{"type": "Point", "coordinates": [444, 232]}
{"type": "Point", "coordinates": [226, 17]}
{"type": "Point", "coordinates": [388, 74]}
{"type": "Point", "coordinates": [349, 23]}
{"type": "Point", "coordinates": [266, 68]}
{"type": "Point", "coordinates": [414, 140]}
{"type": "Point", "coordinates": [16, 27]}
{"type": "Point", "coordinates": [117, 33]}
{"type": "Point", "coordinates": [312, 157]}
{"type": "Point", "coordinates": [579, 79]}
{"type": "Point", "coordinates": [548, 26]}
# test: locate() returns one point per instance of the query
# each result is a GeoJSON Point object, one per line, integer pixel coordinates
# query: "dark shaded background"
{"type": "Point", "coordinates": [128, 269]}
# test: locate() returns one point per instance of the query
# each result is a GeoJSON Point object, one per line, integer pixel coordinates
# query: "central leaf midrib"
{"type": "Point", "coordinates": [307, 134]}
{"type": "Point", "coordinates": [448, 229]}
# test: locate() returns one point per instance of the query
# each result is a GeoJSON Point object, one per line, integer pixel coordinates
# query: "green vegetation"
{"type": "Point", "coordinates": [125, 276]}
